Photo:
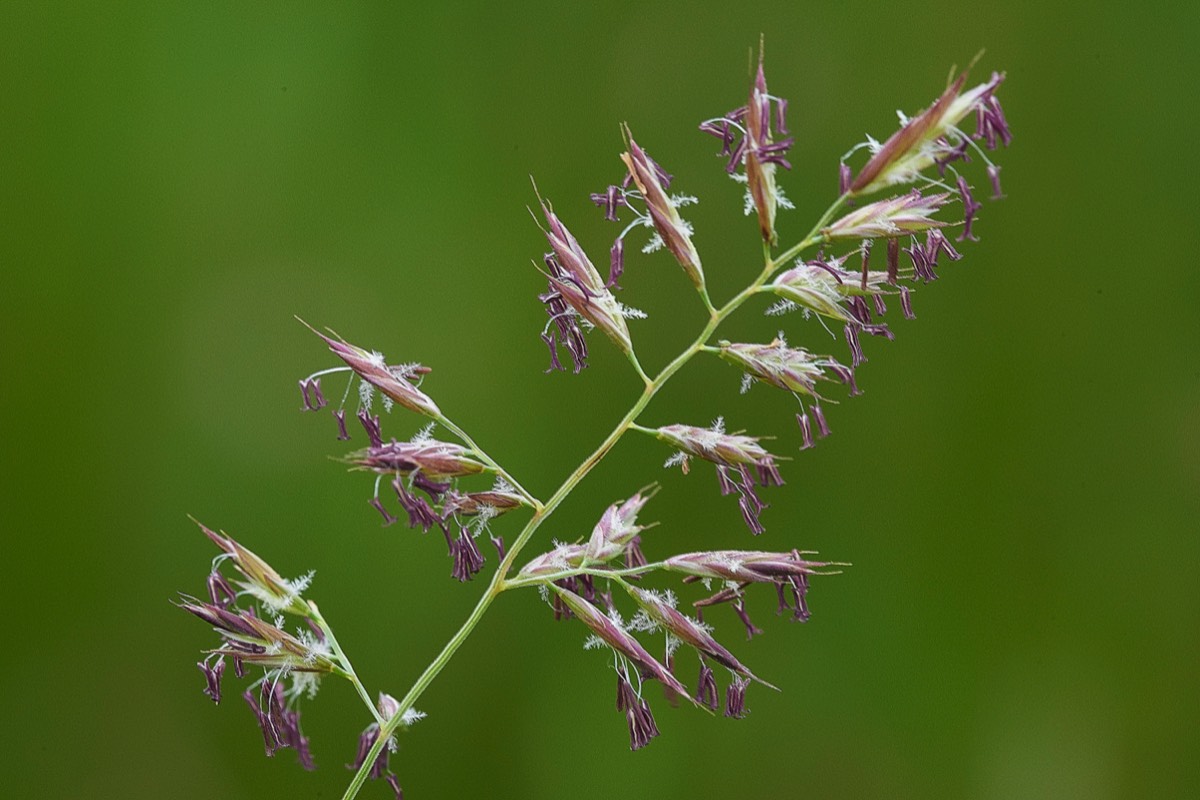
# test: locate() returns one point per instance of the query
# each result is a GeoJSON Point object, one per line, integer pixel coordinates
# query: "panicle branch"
{"type": "Point", "coordinates": [433, 480]}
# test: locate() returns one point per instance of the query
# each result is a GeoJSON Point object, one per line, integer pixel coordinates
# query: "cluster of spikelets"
{"type": "Point", "coordinates": [291, 664]}
{"type": "Point", "coordinates": [436, 484]}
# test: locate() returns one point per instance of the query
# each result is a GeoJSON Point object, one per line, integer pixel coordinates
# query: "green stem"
{"type": "Point", "coordinates": [708, 303]}
{"type": "Point", "coordinates": [542, 511]}
{"type": "Point", "coordinates": [813, 236]}
{"type": "Point", "coordinates": [637, 365]}
{"type": "Point", "coordinates": [343, 661]}
{"type": "Point", "coordinates": [600, 572]}
{"type": "Point", "coordinates": [486, 459]}
{"type": "Point", "coordinates": [386, 729]}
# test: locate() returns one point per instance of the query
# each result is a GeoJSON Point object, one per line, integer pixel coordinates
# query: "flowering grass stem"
{"type": "Point", "coordinates": [248, 601]}
{"type": "Point", "coordinates": [499, 581]}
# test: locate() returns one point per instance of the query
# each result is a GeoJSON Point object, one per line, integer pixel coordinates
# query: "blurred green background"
{"type": "Point", "coordinates": [1017, 488]}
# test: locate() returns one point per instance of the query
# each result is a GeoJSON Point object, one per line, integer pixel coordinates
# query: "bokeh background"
{"type": "Point", "coordinates": [1017, 488]}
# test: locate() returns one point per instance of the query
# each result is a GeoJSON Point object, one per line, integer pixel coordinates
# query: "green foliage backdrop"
{"type": "Point", "coordinates": [1017, 488]}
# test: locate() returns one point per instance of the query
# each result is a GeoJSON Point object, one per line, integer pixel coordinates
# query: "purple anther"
{"type": "Point", "coordinates": [376, 504]}
{"type": "Point", "coordinates": [735, 698]}
{"type": "Point", "coordinates": [893, 260]}
{"type": "Point", "coordinates": [706, 689]}
{"type": "Point", "coordinates": [993, 172]}
{"type": "Point", "coordinates": [970, 207]}
{"type": "Point", "coordinates": [468, 561]}
{"type": "Point", "coordinates": [212, 677]}
{"type": "Point", "coordinates": [739, 608]}
{"type": "Point", "coordinates": [219, 591]}
{"type": "Point", "coordinates": [616, 263]}
{"type": "Point", "coordinates": [880, 306]}
{"type": "Point", "coordinates": [805, 431]}
{"type": "Point", "coordinates": [819, 416]}
{"type": "Point", "coordinates": [339, 414]}
{"type": "Point", "coordinates": [856, 353]}
{"type": "Point", "coordinates": [498, 543]}
{"type": "Point", "coordinates": [372, 426]}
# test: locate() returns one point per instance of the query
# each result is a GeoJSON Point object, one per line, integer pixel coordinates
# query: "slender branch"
{"type": "Point", "coordinates": [813, 236]}
{"type": "Point", "coordinates": [600, 572]}
{"type": "Point", "coordinates": [637, 365]}
{"type": "Point", "coordinates": [386, 729]}
{"type": "Point", "coordinates": [486, 459]}
{"type": "Point", "coordinates": [343, 660]}
{"type": "Point", "coordinates": [542, 511]}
